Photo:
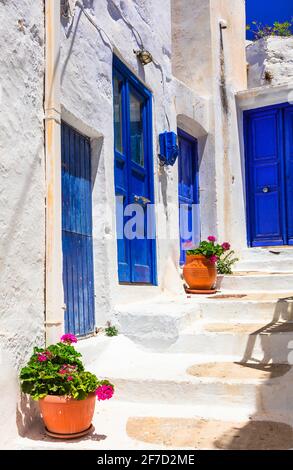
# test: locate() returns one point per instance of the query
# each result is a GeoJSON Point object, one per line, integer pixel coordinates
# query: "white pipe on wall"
{"type": "Point", "coordinates": [54, 297]}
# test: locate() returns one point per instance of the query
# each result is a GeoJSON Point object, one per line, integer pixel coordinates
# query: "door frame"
{"type": "Point", "coordinates": [196, 192]}
{"type": "Point", "coordinates": [247, 154]}
{"type": "Point", "coordinates": [120, 69]}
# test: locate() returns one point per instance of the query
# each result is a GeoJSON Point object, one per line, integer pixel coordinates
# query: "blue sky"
{"type": "Point", "coordinates": [268, 11]}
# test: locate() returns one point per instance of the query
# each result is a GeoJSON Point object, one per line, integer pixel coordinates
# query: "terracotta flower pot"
{"type": "Point", "coordinates": [63, 415]}
{"type": "Point", "coordinates": [199, 272]}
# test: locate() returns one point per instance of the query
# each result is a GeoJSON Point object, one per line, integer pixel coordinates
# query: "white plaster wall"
{"type": "Point", "coordinates": [86, 76]}
{"type": "Point", "coordinates": [270, 61]}
{"type": "Point", "coordinates": [217, 71]}
{"type": "Point", "coordinates": [191, 44]}
{"type": "Point", "coordinates": [22, 214]}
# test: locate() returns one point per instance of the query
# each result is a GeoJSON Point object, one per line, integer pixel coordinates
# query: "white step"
{"type": "Point", "coordinates": [279, 265]}
{"type": "Point", "coordinates": [156, 322]}
{"type": "Point", "coordinates": [266, 259]}
{"type": "Point", "coordinates": [241, 307]}
{"type": "Point", "coordinates": [275, 395]}
{"type": "Point", "coordinates": [248, 342]}
{"type": "Point", "coordinates": [257, 281]}
{"type": "Point", "coordinates": [166, 379]}
{"type": "Point", "coordinates": [268, 252]}
{"type": "Point", "coordinates": [160, 326]}
{"type": "Point", "coordinates": [244, 342]}
{"type": "Point", "coordinates": [125, 425]}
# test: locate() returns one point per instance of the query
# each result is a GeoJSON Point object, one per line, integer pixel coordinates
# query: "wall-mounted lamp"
{"type": "Point", "coordinates": [145, 57]}
{"type": "Point", "coordinates": [168, 148]}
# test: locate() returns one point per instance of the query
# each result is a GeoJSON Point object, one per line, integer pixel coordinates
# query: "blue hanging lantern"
{"type": "Point", "coordinates": [168, 148]}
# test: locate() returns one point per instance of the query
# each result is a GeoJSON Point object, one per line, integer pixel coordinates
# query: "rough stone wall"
{"type": "Point", "coordinates": [270, 61]}
{"type": "Point", "coordinates": [22, 196]}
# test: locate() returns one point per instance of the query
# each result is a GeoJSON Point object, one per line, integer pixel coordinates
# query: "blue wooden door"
{"type": "Point", "coordinates": [269, 164]}
{"type": "Point", "coordinates": [77, 243]}
{"type": "Point", "coordinates": [133, 178]}
{"type": "Point", "coordinates": [188, 190]}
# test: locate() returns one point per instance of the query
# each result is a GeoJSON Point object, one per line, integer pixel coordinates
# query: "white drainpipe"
{"type": "Point", "coordinates": [54, 300]}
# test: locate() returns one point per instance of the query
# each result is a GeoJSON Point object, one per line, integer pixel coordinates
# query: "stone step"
{"type": "Point", "coordinates": [160, 326]}
{"type": "Point", "coordinates": [269, 259]}
{"type": "Point", "coordinates": [185, 380]}
{"type": "Point", "coordinates": [265, 265]}
{"type": "Point", "coordinates": [210, 434]}
{"type": "Point", "coordinates": [245, 342]}
{"type": "Point", "coordinates": [152, 426]}
{"type": "Point", "coordinates": [156, 323]}
{"type": "Point", "coordinates": [258, 281]}
{"type": "Point", "coordinates": [240, 306]}
{"type": "Point", "coordinates": [268, 252]}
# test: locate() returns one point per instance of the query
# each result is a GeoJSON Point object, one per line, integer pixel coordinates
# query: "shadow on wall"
{"type": "Point", "coordinates": [270, 426]}
{"type": "Point", "coordinates": [27, 416]}
{"type": "Point", "coordinates": [96, 160]}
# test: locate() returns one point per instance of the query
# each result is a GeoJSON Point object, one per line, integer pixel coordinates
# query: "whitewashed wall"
{"type": "Point", "coordinates": [86, 77]}
{"type": "Point", "coordinates": [194, 79]}
{"type": "Point", "coordinates": [212, 61]}
{"type": "Point", "coordinates": [22, 210]}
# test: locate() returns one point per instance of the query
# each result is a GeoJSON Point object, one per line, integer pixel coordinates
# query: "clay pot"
{"type": "Point", "coordinates": [199, 272]}
{"type": "Point", "coordinates": [63, 415]}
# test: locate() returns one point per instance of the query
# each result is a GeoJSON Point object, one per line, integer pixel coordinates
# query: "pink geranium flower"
{"type": "Point", "coordinates": [104, 392]}
{"type": "Point", "coordinates": [68, 338]}
{"type": "Point", "coordinates": [213, 259]}
{"type": "Point", "coordinates": [211, 238]}
{"type": "Point", "coordinates": [69, 378]}
{"type": "Point", "coordinates": [42, 357]}
{"type": "Point", "coordinates": [226, 246]}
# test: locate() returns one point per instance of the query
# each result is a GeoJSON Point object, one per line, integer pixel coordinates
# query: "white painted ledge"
{"type": "Point", "coordinates": [265, 96]}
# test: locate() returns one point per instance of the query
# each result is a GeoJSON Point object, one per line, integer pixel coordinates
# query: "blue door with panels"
{"type": "Point", "coordinates": [269, 175]}
{"type": "Point", "coordinates": [133, 164]}
{"type": "Point", "coordinates": [188, 190]}
{"type": "Point", "coordinates": [77, 242]}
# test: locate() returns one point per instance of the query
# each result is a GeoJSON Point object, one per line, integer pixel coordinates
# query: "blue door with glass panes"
{"type": "Point", "coordinates": [268, 135]}
{"type": "Point", "coordinates": [188, 190]}
{"type": "Point", "coordinates": [133, 166]}
{"type": "Point", "coordinates": [77, 242]}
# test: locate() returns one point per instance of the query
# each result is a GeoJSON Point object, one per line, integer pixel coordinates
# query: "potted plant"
{"type": "Point", "coordinates": [55, 376]}
{"type": "Point", "coordinates": [200, 269]}
{"type": "Point", "coordinates": [224, 266]}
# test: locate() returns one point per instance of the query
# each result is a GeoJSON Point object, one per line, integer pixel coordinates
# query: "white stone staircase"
{"type": "Point", "coordinates": [221, 357]}
{"type": "Point", "coordinates": [216, 368]}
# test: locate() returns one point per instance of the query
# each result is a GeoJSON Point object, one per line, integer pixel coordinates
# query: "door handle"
{"type": "Point", "coordinates": [141, 200]}
{"type": "Point", "coordinates": [265, 189]}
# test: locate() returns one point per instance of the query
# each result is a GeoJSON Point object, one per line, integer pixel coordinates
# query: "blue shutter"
{"type": "Point", "coordinates": [77, 243]}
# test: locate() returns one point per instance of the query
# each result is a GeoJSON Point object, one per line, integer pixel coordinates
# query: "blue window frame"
{"type": "Point", "coordinates": [188, 190]}
{"type": "Point", "coordinates": [133, 164]}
